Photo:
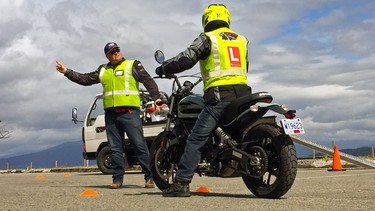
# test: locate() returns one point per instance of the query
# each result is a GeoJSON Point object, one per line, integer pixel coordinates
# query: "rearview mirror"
{"type": "Point", "coordinates": [159, 56]}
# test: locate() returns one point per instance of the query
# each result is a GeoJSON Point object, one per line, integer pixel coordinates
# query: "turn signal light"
{"type": "Point", "coordinates": [254, 108]}
{"type": "Point", "coordinates": [285, 107]}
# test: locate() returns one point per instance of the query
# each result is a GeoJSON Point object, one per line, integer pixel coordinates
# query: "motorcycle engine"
{"type": "Point", "coordinates": [229, 169]}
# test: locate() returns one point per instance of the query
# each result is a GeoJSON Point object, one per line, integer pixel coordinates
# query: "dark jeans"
{"type": "Point", "coordinates": [205, 124]}
{"type": "Point", "coordinates": [117, 124]}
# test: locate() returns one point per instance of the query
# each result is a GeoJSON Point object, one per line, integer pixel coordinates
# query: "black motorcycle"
{"type": "Point", "coordinates": [245, 143]}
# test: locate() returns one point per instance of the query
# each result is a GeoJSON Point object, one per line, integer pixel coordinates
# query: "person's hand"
{"type": "Point", "coordinates": [158, 107]}
{"type": "Point", "coordinates": [60, 67]}
{"type": "Point", "coordinates": [159, 71]}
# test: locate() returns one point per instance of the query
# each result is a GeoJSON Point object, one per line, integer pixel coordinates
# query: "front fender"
{"type": "Point", "coordinates": [166, 139]}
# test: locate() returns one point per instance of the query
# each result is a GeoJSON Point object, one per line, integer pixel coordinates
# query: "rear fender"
{"type": "Point", "coordinates": [269, 120]}
{"type": "Point", "coordinates": [272, 106]}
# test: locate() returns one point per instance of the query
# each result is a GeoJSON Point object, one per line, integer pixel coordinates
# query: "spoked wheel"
{"type": "Point", "coordinates": [281, 171]}
{"type": "Point", "coordinates": [163, 161]}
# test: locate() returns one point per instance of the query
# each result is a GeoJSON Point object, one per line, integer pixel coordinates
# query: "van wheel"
{"type": "Point", "coordinates": [103, 160]}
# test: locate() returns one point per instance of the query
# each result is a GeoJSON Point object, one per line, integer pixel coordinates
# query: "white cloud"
{"type": "Point", "coordinates": [315, 56]}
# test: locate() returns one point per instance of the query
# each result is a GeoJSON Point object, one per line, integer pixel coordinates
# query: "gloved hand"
{"type": "Point", "coordinates": [159, 71]}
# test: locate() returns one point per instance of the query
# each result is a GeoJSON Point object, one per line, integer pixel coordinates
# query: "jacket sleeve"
{"type": "Point", "coordinates": [144, 77]}
{"type": "Point", "coordinates": [84, 79]}
{"type": "Point", "coordinates": [199, 49]}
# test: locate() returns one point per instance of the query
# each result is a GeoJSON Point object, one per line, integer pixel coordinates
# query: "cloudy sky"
{"type": "Point", "coordinates": [316, 56]}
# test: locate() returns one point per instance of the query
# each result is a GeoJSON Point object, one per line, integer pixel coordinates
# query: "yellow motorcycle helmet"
{"type": "Point", "coordinates": [215, 15]}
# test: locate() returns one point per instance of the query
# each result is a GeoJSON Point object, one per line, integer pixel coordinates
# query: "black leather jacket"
{"type": "Point", "coordinates": [139, 73]}
{"type": "Point", "coordinates": [200, 49]}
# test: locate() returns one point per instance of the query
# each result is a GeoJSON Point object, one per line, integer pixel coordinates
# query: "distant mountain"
{"type": "Point", "coordinates": [365, 149]}
{"type": "Point", "coordinates": [66, 154]}
{"type": "Point", "coordinates": [362, 151]}
{"type": "Point", "coordinates": [70, 154]}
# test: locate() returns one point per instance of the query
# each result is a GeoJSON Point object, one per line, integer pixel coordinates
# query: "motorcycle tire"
{"type": "Point", "coordinates": [103, 160]}
{"type": "Point", "coordinates": [282, 162]}
{"type": "Point", "coordinates": [163, 161]}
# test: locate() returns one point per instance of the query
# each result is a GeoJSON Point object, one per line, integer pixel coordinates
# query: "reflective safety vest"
{"type": "Point", "coordinates": [120, 88]}
{"type": "Point", "coordinates": [226, 64]}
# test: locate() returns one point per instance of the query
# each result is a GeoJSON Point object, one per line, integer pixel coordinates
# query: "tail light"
{"type": "Point", "coordinates": [265, 100]}
{"type": "Point", "coordinates": [290, 114]}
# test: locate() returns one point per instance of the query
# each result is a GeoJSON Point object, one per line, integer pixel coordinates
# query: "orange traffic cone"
{"type": "Point", "coordinates": [336, 163]}
{"type": "Point", "coordinates": [89, 192]}
{"type": "Point", "coordinates": [203, 189]}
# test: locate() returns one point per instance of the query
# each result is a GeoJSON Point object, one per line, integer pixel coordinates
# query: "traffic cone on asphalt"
{"type": "Point", "coordinates": [66, 174]}
{"type": "Point", "coordinates": [203, 189]}
{"type": "Point", "coordinates": [89, 192]}
{"type": "Point", "coordinates": [39, 177]}
{"type": "Point", "coordinates": [336, 163]}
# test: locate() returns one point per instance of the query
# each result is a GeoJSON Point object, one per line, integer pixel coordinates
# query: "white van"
{"type": "Point", "coordinates": [95, 145]}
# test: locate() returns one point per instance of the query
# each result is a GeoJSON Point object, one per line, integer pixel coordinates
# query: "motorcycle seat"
{"type": "Point", "coordinates": [235, 108]}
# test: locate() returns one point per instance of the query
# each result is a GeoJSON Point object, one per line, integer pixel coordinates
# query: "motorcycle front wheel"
{"type": "Point", "coordinates": [163, 161]}
{"type": "Point", "coordinates": [282, 162]}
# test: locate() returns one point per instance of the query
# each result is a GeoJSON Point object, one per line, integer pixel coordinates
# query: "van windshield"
{"type": "Point", "coordinates": [97, 110]}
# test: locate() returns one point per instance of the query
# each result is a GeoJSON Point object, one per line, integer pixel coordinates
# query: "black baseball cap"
{"type": "Point", "coordinates": [109, 47]}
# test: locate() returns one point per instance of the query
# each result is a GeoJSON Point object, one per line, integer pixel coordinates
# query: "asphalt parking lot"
{"type": "Point", "coordinates": [313, 189]}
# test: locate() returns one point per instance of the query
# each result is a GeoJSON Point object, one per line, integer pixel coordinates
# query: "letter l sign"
{"type": "Point", "coordinates": [234, 56]}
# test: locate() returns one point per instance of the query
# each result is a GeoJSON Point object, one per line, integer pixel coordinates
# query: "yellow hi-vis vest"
{"type": "Point", "coordinates": [226, 64]}
{"type": "Point", "coordinates": [120, 88]}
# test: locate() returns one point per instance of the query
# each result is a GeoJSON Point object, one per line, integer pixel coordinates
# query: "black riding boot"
{"type": "Point", "coordinates": [177, 189]}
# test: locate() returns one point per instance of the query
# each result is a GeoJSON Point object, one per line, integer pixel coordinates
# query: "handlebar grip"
{"type": "Point", "coordinates": [161, 102]}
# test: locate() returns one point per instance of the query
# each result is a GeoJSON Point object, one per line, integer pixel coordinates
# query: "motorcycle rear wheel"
{"type": "Point", "coordinates": [282, 162]}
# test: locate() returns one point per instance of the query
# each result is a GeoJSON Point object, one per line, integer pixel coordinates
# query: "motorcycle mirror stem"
{"type": "Point", "coordinates": [159, 56]}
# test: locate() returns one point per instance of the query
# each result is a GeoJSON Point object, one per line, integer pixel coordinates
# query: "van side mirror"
{"type": "Point", "coordinates": [74, 115]}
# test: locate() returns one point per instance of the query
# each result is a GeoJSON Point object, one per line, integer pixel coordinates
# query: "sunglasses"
{"type": "Point", "coordinates": [116, 50]}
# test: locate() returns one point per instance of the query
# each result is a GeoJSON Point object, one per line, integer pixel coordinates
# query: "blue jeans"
{"type": "Point", "coordinates": [117, 124]}
{"type": "Point", "coordinates": [205, 124]}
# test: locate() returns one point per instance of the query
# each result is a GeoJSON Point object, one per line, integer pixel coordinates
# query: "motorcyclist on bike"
{"type": "Point", "coordinates": [222, 55]}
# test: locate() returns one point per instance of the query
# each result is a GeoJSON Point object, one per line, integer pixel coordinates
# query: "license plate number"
{"type": "Point", "coordinates": [292, 126]}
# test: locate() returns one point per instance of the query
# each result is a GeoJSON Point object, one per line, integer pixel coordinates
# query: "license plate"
{"type": "Point", "coordinates": [292, 126]}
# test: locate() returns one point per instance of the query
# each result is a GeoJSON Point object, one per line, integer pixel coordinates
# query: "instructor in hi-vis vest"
{"type": "Point", "coordinates": [120, 80]}
{"type": "Point", "coordinates": [222, 55]}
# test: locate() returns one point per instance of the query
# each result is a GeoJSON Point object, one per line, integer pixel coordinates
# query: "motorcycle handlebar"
{"type": "Point", "coordinates": [185, 88]}
{"type": "Point", "coordinates": [161, 102]}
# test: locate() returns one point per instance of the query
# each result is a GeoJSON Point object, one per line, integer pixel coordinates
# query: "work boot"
{"type": "Point", "coordinates": [177, 189]}
{"type": "Point", "coordinates": [149, 183]}
{"type": "Point", "coordinates": [115, 185]}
